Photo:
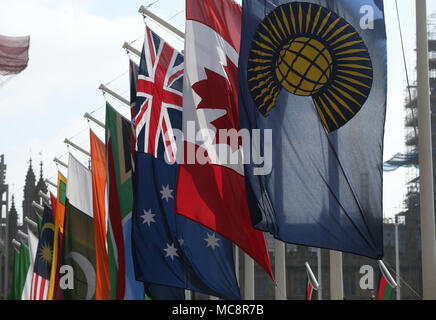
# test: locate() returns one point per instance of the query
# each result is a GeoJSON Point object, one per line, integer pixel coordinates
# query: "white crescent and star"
{"type": "Point", "coordinates": [88, 271]}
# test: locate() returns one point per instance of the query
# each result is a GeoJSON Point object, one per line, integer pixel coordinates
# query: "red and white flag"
{"type": "Point", "coordinates": [210, 188]}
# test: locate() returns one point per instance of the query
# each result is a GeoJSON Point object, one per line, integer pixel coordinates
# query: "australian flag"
{"type": "Point", "coordinates": [43, 259]}
{"type": "Point", "coordinates": [312, 81]}
{"type": "Point", "coordinates": [168, 249]}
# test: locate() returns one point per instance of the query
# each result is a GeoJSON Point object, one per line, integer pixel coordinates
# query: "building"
{"type": "Point", "coordinates": [31, 189]}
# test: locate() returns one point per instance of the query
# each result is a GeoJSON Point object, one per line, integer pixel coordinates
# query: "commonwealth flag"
{"type": "Point", "coordinates": [312, 92]}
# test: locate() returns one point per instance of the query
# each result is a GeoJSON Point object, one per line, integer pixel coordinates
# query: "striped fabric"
{"type": "Point", "coordinates": [43, 259]}
{"type": "Point", "coordinates": [39, 289]}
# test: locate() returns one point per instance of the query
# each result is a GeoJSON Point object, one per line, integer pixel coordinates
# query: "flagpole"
{"type": "Point", "coordinates": [336, 281]}
{"type": "Point", "coordinates": [129, 48]}
{"type": "Point", "coordinates": [397, 262]}
{"type": "Point", "coordinates": [91, 118]}
{"type": "Point", "coordinates": [51, 183]}
{"type": "Point", "coordinates": [280, 269]}
{"type": "Point", "coordinates": [248, 277]}
{"type": "Point", "coordinates": [428, 241]}
{"type": "Point", "coordinates": [161, 21]}
{"type": "Point", "coordinates": [318, 253]}
{"type": "Point", "coordinates": [63, 164]}
{"type": "Point", "coordinates": [6, 244]}
{"type": "Point", "coordinates": [236, 262]}
{"type": "Point", "coordinates": [75, 146]}
{"type": "Point", "coordinates": [105, 89]}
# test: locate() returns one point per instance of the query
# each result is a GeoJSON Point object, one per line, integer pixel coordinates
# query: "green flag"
{"type": "Point", "coordinates": [78, 253]}
{"type": "Point", "coordinates": [15, 284]}
{"type": "Point", "coordinates": [120, 201]}
{"type": "Point", "coordinates": [21, 269]}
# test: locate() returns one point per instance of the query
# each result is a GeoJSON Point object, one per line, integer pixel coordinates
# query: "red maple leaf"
{"type": "Point", "coordinates": [217, 92]}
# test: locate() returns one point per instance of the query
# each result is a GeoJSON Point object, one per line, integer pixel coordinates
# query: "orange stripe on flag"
{"type": "Point", "coordinates": [98, 169]}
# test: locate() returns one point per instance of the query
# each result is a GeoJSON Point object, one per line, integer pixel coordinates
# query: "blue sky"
{"type": "Point", "coordinates": [76, 45]}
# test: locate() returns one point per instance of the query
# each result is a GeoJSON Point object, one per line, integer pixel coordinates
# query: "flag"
{"type": "Point", "coordinates": [120, 196]}
{"type": "Point", "coordinates": [386, 283]}
{"type": "Point", "coordinates": [21, 267]}
{"type": "Point", "coordinates": [212, 189]}
{"type": "Point", "coordinates": [312, 91]}
{"type": "Point", "coordinates": [78, 250]}
{"type": "Point", "coordinates": [32, 246]}
{"type": "Point", "coordinates": [312, 283]}
{"type": "Point", "coordinates": [168, 249]}
{"type": "Point", "coordinates": [152, 291]}
{"type": "Point", "coordinates": [14, 54]}
{"type": "Point", "coordinates": [55, 293]}
{"type": "Point", "coordinates": [98, 171]}
{"type": "Point", "coordinates": [15, 271]}
{"type": "Point", "coordinates": [43, 258]}
{"type": "Point", "coordinates": [53, 201]}
{"type": "Point", "coordinates": [309, 290]}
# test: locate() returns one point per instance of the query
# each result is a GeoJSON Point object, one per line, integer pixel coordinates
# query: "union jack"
{"type": "Point", "coordinates": [159, 98]}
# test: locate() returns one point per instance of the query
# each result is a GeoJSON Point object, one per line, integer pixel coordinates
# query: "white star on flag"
{"type": "Point", "coordinates": [171, 251]}
{"type": "Point", "coordinates": [181, 241]}
{"type": "Point", "coordinates": [148, 217]}
{"type": "Point", "coordinates": [212, 241]}
{"type": "Point", "coordinates": [167, 193]}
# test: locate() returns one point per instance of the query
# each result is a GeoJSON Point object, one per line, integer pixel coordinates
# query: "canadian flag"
{"type": "Point", "coordinates": [211, 185]}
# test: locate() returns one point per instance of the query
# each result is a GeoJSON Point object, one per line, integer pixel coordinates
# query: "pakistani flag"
{"type": "Point", "coordinates": [78, 253]}
{"type": "Point", "coordinates": [120, 202]}
{"type": "Point", "coordinates": [21, 267]}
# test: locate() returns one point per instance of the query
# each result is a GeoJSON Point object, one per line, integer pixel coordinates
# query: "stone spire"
{"type": "Point", "coordinates": [41, 186]}
{"type": "Point", "coordinates": [13, 221]}
{"type": "Point", "coordinates": [30, 193]}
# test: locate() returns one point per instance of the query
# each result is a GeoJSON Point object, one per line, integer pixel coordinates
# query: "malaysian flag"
{"type": "Point", "coordinates": [43, 259]}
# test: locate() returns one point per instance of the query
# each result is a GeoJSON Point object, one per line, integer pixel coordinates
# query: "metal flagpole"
{"type": "Point", "coordinates": [103, 88]}
{"type": "Point", "coordinates": [129, 48]}
{"type": "Point", "coordinates": [56, 160]}
{"type": "Point", "coordinates": [248, 277]}
{"type": "Point", "coordinates": [51, 183]}
{"type": "Point", "coordinates": [161, 21]}
{"type": "Point", "coordinates": [236, 251]}
{"type": "Point", "coordinates": [91, 118]}
{"type": "Point", "coordinates": [75, 146]}
{"type": "Point", "coordinates": [336, 281]}
{"type": "Point", "coordinates": [397, 262]}
{"type": "Point", "coordinates": [428, 241]}
{"type": "Point", "coordinates": [318, 253]}
{"type": "Point", "coordinates": [280, 269]}
{"type": "Point", "coordinates": [6, 245]}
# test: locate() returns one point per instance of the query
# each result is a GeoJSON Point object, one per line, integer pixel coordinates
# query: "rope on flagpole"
{"type": "Point", "coordinates": [402, 280]}
{"type": "Point", "coordinates": [405, 64]}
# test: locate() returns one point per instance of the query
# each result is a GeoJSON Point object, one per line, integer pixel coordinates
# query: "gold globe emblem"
{"type": "Point", "coordinates": [304, 66]}
{"type": "Point", "coordinates": [309, 50]}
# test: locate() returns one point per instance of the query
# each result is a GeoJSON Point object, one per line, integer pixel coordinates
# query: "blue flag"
{"type": "Point", "coordinates": [169, 249]}
{"type": "Point", "coordinates": [312, 78]}
{"type": "Point", "coordinates": [43, 258]}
